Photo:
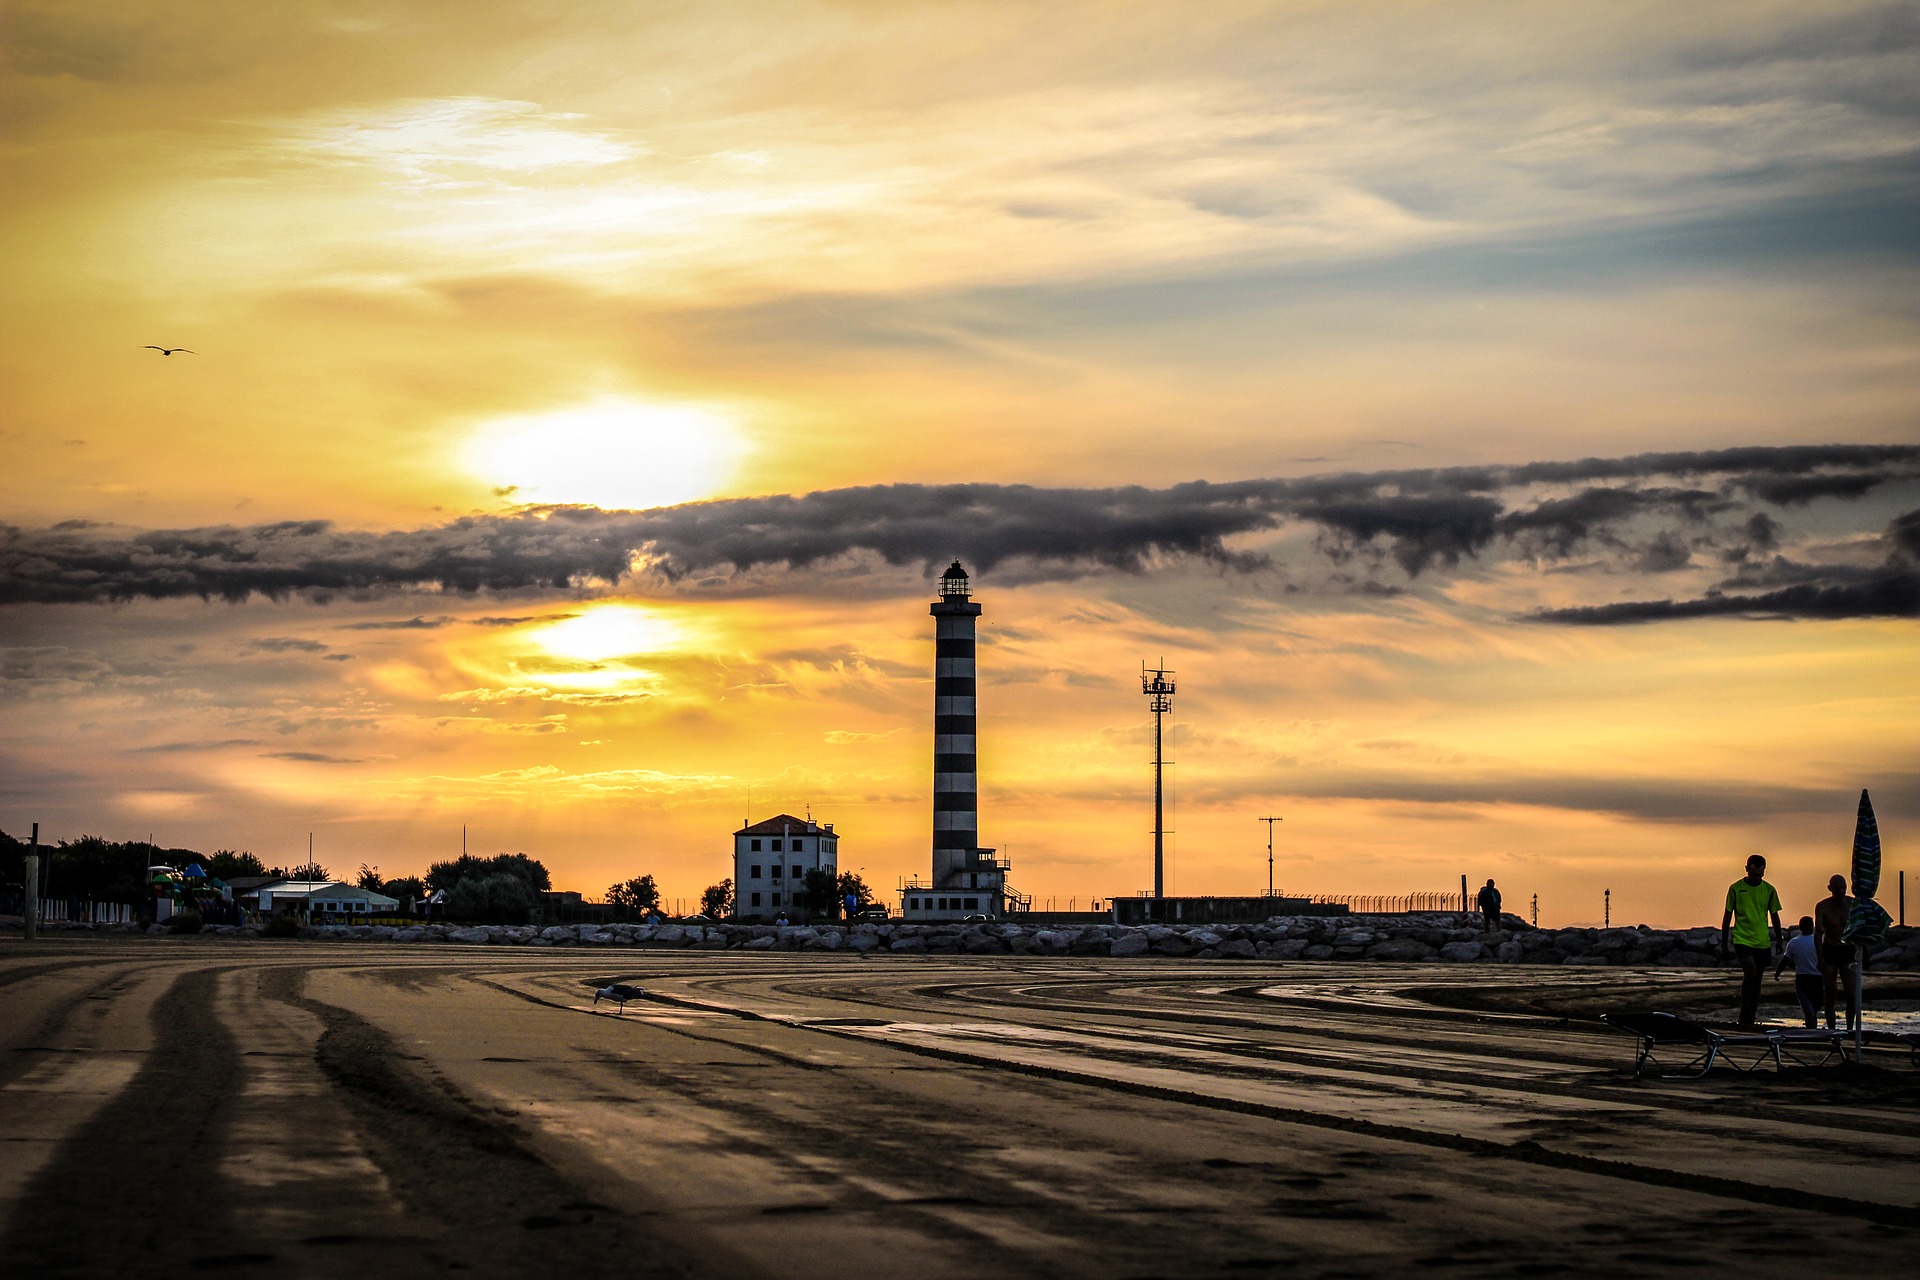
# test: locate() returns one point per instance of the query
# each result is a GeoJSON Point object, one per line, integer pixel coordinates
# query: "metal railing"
{"type": "Point", "coordinates": [1393, 904]}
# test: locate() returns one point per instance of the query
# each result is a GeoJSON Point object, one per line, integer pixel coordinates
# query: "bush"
{"type": "Point", "coordinates": [502, 898]}
{"type": "Point", "coordinates": [187, 921]}
{"type": "Point", "coordinates": [280, 925]}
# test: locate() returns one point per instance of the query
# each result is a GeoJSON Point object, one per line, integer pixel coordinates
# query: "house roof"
{"type": "Point", "coordinates": [785, 824]}
{"type": "Point", "coordinates": [332, 890]}
{"type": "Point", "coordinates": [242, 883]}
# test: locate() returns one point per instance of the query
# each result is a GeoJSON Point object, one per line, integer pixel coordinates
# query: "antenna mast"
{"type": "Point", "coordinates": [1270, 822]}
{"type": "Point", "coordinates": [1157, 684]}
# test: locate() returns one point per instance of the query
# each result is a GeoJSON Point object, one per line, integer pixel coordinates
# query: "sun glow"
{"type": "Point", "coordinates": [611, 453]}
{"type": "Point", "coordinates": [607, 632]}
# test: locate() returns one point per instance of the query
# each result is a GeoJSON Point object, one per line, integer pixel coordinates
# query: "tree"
{"type": "Point", "coordinates": [309, 871]}
{"type": "Point", "coordinates": [852, 886]}
{"type": "Point", "coordinates": [818, 894]}
{"type": "Point", "coordinates": [716, 900]}
{"type": "Point", "coordinates": [445, 875]}
{"type": "Point", "coordinates": [369, 879]}
{"type": "Point", "coordinates": [636, 896]}
{"type": "Point", "coordinates": [405, 888]}
{"type": "Point", "coordinates": [501, 898]}
{"type": "Point", "coordinates": [225, 864]}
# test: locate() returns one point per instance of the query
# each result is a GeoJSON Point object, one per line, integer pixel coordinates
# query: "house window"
{"type": "Point", "coordinates": [776, 846]}
{"type": "Point", "coordinates": [973, 904]}
{"type": "Point", "coordinates": [943, 904]}
{"type": "Point", "coordinates": [753, 872]}
{"type": "Point", "coordinates": [776, 871]}
{"type": "Point", "coordinates": [799, 846]}
{"type": "Point", "coordinates": [776, 899]}
{"type": "Point", "coordinates": [756, 897]}
{"type": "Point", "coordinates": [753, 846]}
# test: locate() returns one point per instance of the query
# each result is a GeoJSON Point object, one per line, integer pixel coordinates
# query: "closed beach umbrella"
{"type": "Point", "coordinates": [1867, 922]}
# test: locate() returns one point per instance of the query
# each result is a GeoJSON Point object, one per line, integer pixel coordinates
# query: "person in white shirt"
{"type": "Point", "coordinates": [1807, 982]}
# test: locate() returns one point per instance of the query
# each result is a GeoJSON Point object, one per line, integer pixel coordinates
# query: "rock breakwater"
{"type": "Point", "coordinates": [1413, 939]}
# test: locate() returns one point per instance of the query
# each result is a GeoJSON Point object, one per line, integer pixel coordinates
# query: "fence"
{"type": "Point", "coordinates": [71, 910]}
{"type": "Point", "coordinates": [1393, 904]}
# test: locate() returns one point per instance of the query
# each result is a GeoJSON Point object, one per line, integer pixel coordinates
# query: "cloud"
{"type": "Point", "coordinates": [1890, 590]}
{"type": "Point", "coordinates": [415, 623]}
{"type": "Point", "coordinates": [285, 644]}
{"type": "Point", "coordinates": [311, 757]}
{"type": "Point", "coordinates": [1421, 519]}
{"type": "Point", "coordinates": [205, 744]}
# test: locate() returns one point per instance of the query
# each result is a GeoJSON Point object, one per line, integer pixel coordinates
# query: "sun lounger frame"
{"type": "Point", "coordinates": [1658, 1031]}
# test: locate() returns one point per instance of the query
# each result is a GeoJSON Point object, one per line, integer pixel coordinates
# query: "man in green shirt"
{"type": "Point", "coordinates": [1743, 930]}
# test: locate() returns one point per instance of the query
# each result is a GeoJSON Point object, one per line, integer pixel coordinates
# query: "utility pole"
{"type": "Point", "coordinates": [1157, 685]}
{"type": "Point", "coordinates": [1606, 909]}
{"type": "Point", "coordinates": [1536, 911]}
{"type": "Point", "coordinates": [1463, 894]}
{"type": "Point", "coordinates": [30, 909]}
{"type": "Point", "coordinates": [1270, 822]}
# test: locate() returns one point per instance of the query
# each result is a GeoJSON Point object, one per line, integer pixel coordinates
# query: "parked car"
{"type": "Point", "coordinates": [976, 918]}
{"type": "Point", "coordinates": [873, 911]}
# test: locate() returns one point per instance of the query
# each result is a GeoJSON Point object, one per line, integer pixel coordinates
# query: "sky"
{"type": "Point", "coordinates": [1503, 418]}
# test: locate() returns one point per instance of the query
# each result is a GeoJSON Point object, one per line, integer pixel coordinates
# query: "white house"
{"type": "Point", "coordinates": [771, 860]}
{"type": "Point", "coordinates": [329, 896]}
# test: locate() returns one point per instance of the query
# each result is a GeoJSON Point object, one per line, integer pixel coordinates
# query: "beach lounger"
{"type": "Point", "coordinates": [1705, 1047]}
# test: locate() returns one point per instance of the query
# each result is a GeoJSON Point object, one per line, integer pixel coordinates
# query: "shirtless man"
{"type": "Point", "coordinates": [1836, 957]}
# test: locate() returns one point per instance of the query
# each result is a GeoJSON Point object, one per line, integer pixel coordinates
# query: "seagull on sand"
{"type": "Point", "coordinates": [620, 991]}
{"type": "Point", "coordinates": [167, 351]}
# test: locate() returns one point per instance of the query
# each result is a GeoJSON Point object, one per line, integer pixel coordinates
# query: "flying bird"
{"type": "Point", "coordinates": [167, 351]}
{"type": "Point", "coordinates": [620, 991]}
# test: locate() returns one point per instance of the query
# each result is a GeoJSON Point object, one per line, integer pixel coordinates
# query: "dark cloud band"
{"type": "Point", "coordinates": [1420, 519]}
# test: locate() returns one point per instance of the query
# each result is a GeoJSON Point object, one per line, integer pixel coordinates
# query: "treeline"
{"type": "Point", "coordinates": [96, 869]}
{"type": "Point", "coordinates": [502, 889]}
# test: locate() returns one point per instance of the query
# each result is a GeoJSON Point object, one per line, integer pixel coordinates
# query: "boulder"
{"type": "Point", "coordinates": [1459, 952]}
{"type": "Point", "coordinates": [553, 933]}
{"type": "Point", "coordinates": [410, 933]}
{"type": "Point", "coordinates": [1237, 948]}
{"type": "Point", "coordinates": [1402, 949]}
{"type": "Point", "coordinates": [826, 940]}
{"type": "Point", "coordinates": [913, 943]}
{"type": "Point", "coordinates": [1131, 943]}
{"type": "Point", "coordinates": [1509, 952]}
{"type": "Point", "coordinates": [1172, 946]}
{"type": "Point", "coordinates": [1354, 938]}
{"type": "Point", "coordinates": [762, 943]}
{"type": "Point", "coordinates": [468, 935]}
{"type": "Point", "coordinates": [1593, 957]}
{"type": "Point", "coordinates": [1318, 951]}
{"type": "Point", "coordinates": [1200, 939]}
{"type": "Point", "coordinates": [862, 940]}
{"type": "Point", "coordinates": [1291, 949]}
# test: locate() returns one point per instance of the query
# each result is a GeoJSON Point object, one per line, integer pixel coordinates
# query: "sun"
{"type": "Point", "coordinates": [613, 453]}
{"type": "Point", "coordinates": [609, 631]}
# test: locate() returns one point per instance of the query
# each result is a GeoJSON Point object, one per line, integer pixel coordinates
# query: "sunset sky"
{"type": "Point", "coordinates": [1504, 418]}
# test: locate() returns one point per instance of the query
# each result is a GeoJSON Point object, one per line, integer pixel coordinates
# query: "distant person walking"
{"type": "Point", "coordinates": [1804, 954]}
{"type": "Point", "coordinates": [1751, 902]}
{"type": "Point", "coordinates": [1836, 957]}
{"type": "Point", "coordinates": [1489, 902]}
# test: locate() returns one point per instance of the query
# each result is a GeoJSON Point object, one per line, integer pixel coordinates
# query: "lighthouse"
{"type": "Point", "coordinates": [967, 879]}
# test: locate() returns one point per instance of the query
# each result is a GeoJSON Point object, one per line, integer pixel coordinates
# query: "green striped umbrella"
{"type": "Point", "coordinates": [1867, 922]}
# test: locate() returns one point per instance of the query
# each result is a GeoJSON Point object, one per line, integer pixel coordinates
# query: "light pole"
{"type": "Point", "coordinates": [1157, 684]}
{"type": "Point", "coordinates": [1270, 822]}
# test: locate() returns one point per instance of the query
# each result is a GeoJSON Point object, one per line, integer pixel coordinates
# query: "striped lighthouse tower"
{"type": "Point", "coordinates": [956, 786]}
